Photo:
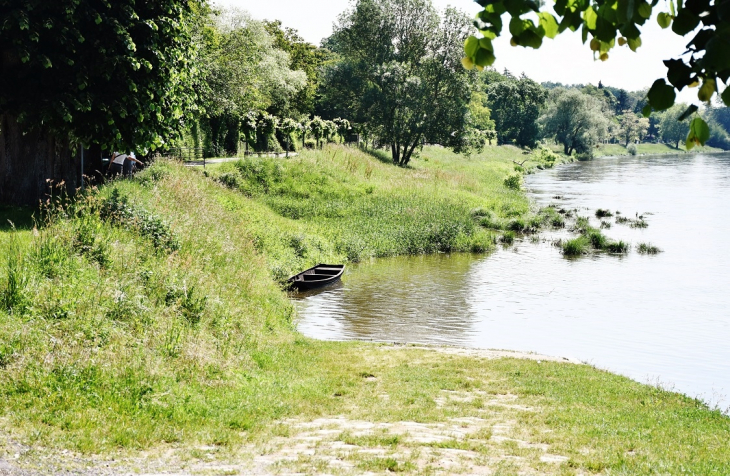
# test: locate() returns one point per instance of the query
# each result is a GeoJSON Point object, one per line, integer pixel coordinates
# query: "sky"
{"type": "Point", "coordinates": [565, 59]}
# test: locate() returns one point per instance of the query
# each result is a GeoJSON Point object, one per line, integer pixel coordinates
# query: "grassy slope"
{"type": "Point", "coordinates": [116, 343]}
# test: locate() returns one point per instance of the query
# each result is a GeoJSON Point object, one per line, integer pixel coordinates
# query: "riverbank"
{"type": "Point", "coordinates": [146, 325]}
{"type": "Point", "coordinates": [610, 150]}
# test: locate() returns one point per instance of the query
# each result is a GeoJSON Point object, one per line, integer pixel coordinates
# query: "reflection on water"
{"type": "Point", "coordinates": [404, 299]}
{"type": "Point", "coordinates": [660, 317]}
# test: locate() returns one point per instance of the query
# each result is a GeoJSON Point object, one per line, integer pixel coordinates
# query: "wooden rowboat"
{"type": "Point", "coordinates": [316, 276]}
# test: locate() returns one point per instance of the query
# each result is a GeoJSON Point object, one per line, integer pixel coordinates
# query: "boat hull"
{"type": "Point", "coordinates": [317, 276]}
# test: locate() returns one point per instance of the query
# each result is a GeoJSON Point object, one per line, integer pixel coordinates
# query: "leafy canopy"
{"type": "Point", "coordinates": [611, 23]}
{"type": "Point", "coordinates": [98, 71]}
{"type": "Point", "coordinates": [399, 74]}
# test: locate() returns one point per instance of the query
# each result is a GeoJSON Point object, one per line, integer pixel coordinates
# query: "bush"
{"type": "Point", "coordinates": [117, 210]}
{"type": "Point", "coordinates": [513, 182]}
{"type": "Point", "coordinates": [631, 149]}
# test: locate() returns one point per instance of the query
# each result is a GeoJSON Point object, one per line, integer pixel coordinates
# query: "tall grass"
{"type": "Point", "coordinates": [343, 204]}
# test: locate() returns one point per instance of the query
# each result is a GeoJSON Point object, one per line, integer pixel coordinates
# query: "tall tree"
{"type": "Point", "coordinates": [303, 57]}
{"type": "Point", "coordinates": [632, 127]}
{"type": "Point", "coordinates": [576, 120]}
{"type": "Point", "coordinates": [88, 72]}
{"type": "Point", "coordinates": [400, 73]}
{"type": "Point", "coordinates": [516, 105]}
{"type": "Point", "coordinates": [673, 130]}
{"type": "Point", "coordinates": [242, 70]}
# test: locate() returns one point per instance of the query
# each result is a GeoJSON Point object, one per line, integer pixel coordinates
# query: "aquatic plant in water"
{"type": "Point", "coordinates": [647, 249]}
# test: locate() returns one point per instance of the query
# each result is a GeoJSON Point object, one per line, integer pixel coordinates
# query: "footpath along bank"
{"type": "Point", "coordinates": [144, 330]}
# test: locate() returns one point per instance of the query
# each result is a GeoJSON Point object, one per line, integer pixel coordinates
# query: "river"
{"type": "Point", "coordinates": [661, 319]}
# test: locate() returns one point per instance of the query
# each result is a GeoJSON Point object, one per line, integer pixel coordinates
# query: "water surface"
{"type": "Point", "coordinates": [662, 318]}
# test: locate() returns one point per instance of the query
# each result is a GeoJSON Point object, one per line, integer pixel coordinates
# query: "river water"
{"type": "Point", "coordinates": [662, 319]}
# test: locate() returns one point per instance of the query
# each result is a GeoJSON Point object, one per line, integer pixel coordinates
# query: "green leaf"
{"type": "Point", "coordinates": [678, 73]}
{"type": "Point", "coordinates": [471, 45]}
{"type": "Point", "coordinates": [484, 57]}
{"type": "Point", "coordinates": [661, 95]}
{"type": "Point", "coordinates": [645, 10]}
{"type": "Point", "coordinates": [690, 110]}
{"type": "Point", "coordinates": [664, 20]}
{"type": "Point", "coordinates": [530, 38]}
{"type": "Point", "coordinates": [672, 12]}
{"type": "Point", "coordinates": [516, 26]}
{"type": "Point", "coordinates": [685, 22]}
{"type": "Point", "coordinates": [486, 44]}
{"type": "Point", "coordinates": [726, 96]}
{"type": "Point", "coordinates": [699, 131]}
{"type": "Point", "coordinates": [646, 111]}
{"type": "Point", "coordinates": [590, 17]}
{"type": "Point", "coordinates": [707, 90]}
{"type": "Point", "coordinates": [549, 24]}
{"type": "Point", "coordinates": [634, 43]}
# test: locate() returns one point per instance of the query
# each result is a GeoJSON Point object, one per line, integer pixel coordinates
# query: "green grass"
{"type": "Point", "coordinates": [343, 204]}
{"type": "Point", "coordinates": [592, 238]}
{"type": "Point", "coordinates": [148, 314]}
{"type": "Point", "coordinates": [576, 246]}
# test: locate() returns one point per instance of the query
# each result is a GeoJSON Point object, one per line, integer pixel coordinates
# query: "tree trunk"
{"type": "Point", "coordinates": [408, 152]}
{"type": "Point", "coordinates": [395, 151]}
{"type": "Point", "coordinates": [31, 162]}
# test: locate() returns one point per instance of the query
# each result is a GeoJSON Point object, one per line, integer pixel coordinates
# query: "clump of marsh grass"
{"type": "Point", "coordinates": [638, 223]}
{"type": "Point", "coordinates": [605, 225]}
{"type": "Point", "coordinates": [617, 247]}
{"type": "Point", "coordinates": [647, 249]}
{"type": "Point", "coordinates": [576, 246]}
{"type": "Point", "coordinates": [508, 237]}
{"type": "Point", "coordinates": [601, 213]}
{"type": "Point", "coordinates": [590, 238]}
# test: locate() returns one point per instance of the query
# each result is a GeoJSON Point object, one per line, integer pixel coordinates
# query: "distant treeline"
{"type": "Point", "coordinates": [399, 85]}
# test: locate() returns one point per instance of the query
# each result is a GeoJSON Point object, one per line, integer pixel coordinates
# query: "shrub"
{"type": "Point", "coordinates": [631, 149]}
{"type": "Point", "coordinates": [229, 179]}
{"type": "Point", "coordinates": [513, 182]}
{"type": "Point", "coordinates": [117, 210]}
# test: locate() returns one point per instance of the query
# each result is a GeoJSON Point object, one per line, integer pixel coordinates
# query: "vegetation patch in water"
{"type": "Point", "coordinates": [648, 249]}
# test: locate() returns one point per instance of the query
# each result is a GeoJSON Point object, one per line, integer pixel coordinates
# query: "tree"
{"type": "Point", "coordinates": [242, 71]}
{"type": "Point", "coordinates": [83, 72]}
{"type": "Point", "coordinates": [673, 130]}
{"type": "Point", "coordinates": [480, 114]}
{"type": "Point", "coordinates": [399, 74]}
{"type": "Point", "coordinates": [515, 105]}
{"type": "Point", "coordinates": [615, 22]}
{"type": "Point", "coordinates": [632, 127]}
{"type": "Point", "coordinates": [575, 119]}
{"type": "Point", "coordinates": [303, 57]}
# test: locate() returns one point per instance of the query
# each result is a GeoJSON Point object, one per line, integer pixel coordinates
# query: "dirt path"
{"type": "Point", "coordinates": [490, 444]}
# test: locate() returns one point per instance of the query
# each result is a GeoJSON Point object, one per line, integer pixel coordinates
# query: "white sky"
{"type": "Point", "coordinates": [564, 59]}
